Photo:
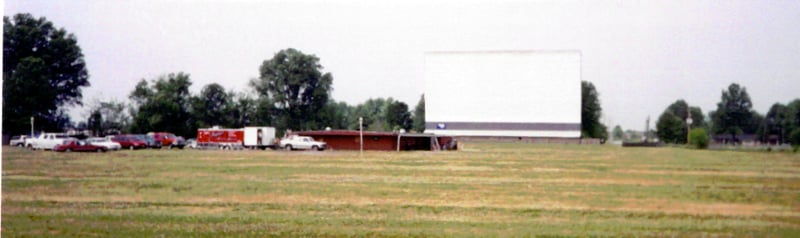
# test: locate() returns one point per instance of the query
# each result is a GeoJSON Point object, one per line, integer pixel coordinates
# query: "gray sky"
{"type": "Point", "coordinates": [641, 55]}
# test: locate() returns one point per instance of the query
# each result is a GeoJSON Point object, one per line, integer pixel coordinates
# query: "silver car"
{"type": "Point", "coordinates": [104, 142]}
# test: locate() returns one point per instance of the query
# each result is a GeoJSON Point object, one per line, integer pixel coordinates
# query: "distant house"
{"type": "Point", "coordinates": [743, 139]}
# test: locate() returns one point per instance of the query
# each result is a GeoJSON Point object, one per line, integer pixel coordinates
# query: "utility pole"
{"type": "Point", "coordinates": [688, 124]}
{"type": "Point", "coordinates": [360, 136]}
{"type": "Point", "coordinates": [647, 130]}
{"type": "Point", "coordinates": [31, 126]}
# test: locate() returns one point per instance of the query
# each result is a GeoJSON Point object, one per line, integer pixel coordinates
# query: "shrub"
{"type": "Point", "coordinates": [698, 138]}
{"type": "Point", "coordinates": [794, 138]}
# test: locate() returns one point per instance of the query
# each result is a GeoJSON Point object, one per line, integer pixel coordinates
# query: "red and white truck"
{"type": "Point", "coordinates": [236, 138]}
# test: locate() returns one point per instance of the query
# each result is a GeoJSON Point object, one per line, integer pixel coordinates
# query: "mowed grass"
{"type": "Point", "coordinates": [487, 189]}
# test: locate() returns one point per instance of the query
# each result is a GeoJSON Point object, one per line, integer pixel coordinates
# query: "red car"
{"type": "Point", "coordinates": [79, 146]}
{"type": "Point", "coordinates": [130, 141]}
{"type": "Point", "coordinates": [168, 139]}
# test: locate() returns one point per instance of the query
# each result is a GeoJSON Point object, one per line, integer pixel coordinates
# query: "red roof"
{"type": "Point", "coordinates": [345, 133]}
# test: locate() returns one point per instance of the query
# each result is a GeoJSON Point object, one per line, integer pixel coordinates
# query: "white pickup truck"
{"type": "Point", "coordinates": [301, 142]}
{"type": "Point", "coordinates": [18, 140]}
{"type": "Point", "coordinates": [46, 141]}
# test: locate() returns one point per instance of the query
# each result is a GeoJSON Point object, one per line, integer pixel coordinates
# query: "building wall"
{"type": "Point", "coordinates": [346, 142]}
{"type": "Point", "coordinates": [533, 140]}
{"type": "Point", "coordinates": [386, 141]}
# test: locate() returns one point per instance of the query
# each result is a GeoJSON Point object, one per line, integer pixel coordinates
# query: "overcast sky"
{"type": "Point", "coordinates": [641, 55]}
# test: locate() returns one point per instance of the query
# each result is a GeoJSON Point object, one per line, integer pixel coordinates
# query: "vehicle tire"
{"type": "Point", "coordinates": [68, 150]}
{"type": "Point", "coordinates": [287, 147]}
{"type": "Point", "coordinates": [314, 147]}
{"type": "Point", "coordinates": [100, 150]}
{"type": "Point", "coordinates": [131, 147]}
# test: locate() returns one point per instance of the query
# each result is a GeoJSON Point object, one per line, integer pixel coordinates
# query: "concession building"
{"type": "Point", "coordinates": [375, 140]}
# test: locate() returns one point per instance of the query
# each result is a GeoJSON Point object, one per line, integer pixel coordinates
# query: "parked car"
{"type": "Point", "coordinates": [46, 141]}
{"type": "Point", "coordinates": [168, 139]}
{"type": "Point", "coordinates": [301, 142]}
{"type": "Point", "coordinates": [18, 140]}
{"type": "Point", "coordinates": [70, 145]}
{"type": "Point", "coordinates": [191, 143]}
{"type": "Point", "coordinates": [130, 141]}
{"type": "Point", "coordinates": [151, 141]}
{"type": "Point", "coordinates": [105, 142]}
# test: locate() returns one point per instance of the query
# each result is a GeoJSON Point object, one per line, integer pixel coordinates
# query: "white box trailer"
{"type": "Point", "coordinates": [259, 137]}
{"type": "Point", "coordinates": [503, 93]}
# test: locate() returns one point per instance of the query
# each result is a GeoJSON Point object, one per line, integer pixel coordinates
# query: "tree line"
{"type": "Point", "coordinates": [734, 117]}
{"type": "Point", "coordinates": [287, 96]}
{"type": "Point", "coordinates": [44, 71]}
{"type": "Point", "coordinates": [165, 104]}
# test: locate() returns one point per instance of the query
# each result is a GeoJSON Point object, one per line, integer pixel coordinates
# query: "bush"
{"type": "Point", "coordinates": [794, 138]}
{"type": "Point", "coordinates": [698, 138]}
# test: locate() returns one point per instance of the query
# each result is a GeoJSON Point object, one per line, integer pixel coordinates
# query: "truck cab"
{"type": "Point", "coordinates": [47, 141]}
{"type": "Point", "coordinates": [294, 142]}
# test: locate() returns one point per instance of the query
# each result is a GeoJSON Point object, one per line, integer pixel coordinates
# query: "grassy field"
{"type": "Point", "coordinates": [485, 190]}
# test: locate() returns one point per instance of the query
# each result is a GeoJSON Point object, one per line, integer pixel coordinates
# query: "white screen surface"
{"type": "Point", "coordinates": [504, 87]}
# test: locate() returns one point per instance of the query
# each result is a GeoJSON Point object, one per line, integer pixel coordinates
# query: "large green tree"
{"type": "Point", "coordinates": [793, 117]}
{"type": "Point", "coordinates": [780, 121]}
{"type": "Point", "coordinates": [95, 123]}
{"type": "Point", "coordinates": [338, 115]}
{"type": "Point", "coordinates": [591, 112]}
{"type": "Point", "coordinates": [374, 112]}
{"type": "Point", "coordinates": [397, 116]}
{"type": "Point", "coordinates": [163, 105]}
{"type": "Point", "coordinates": [212, 107]}
{"type": "Point", "coordinates": [670, 128]}
{"type": "Point", "coordinates": [671, 125]}
{"type": "Point", "coordinates": [419, 115]}
{"type": "Point", "coordinates": [617, 133]}
{"type": "Point", "coordinates": [297, 88]}
{"type": "Point", "coordinates": [734, 114]}
{"type": "Point", "coordinates": [43, 71]}
{"type": "Point", "coordinates": [113, 116]}
{"type": "Point", "coordinates": [244, 111]}
{"type": "Point", "coordinates": [777, 121]}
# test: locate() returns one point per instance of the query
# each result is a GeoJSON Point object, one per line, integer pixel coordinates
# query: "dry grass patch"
{"type": "Point", "coordinates": [371, 178]}
{"type": "Point", "coordinates": [712, 173]}
{"type": "Point", "coordinates": [371, 166]}
{"type": "Point", "coordinates": [695, 208]}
